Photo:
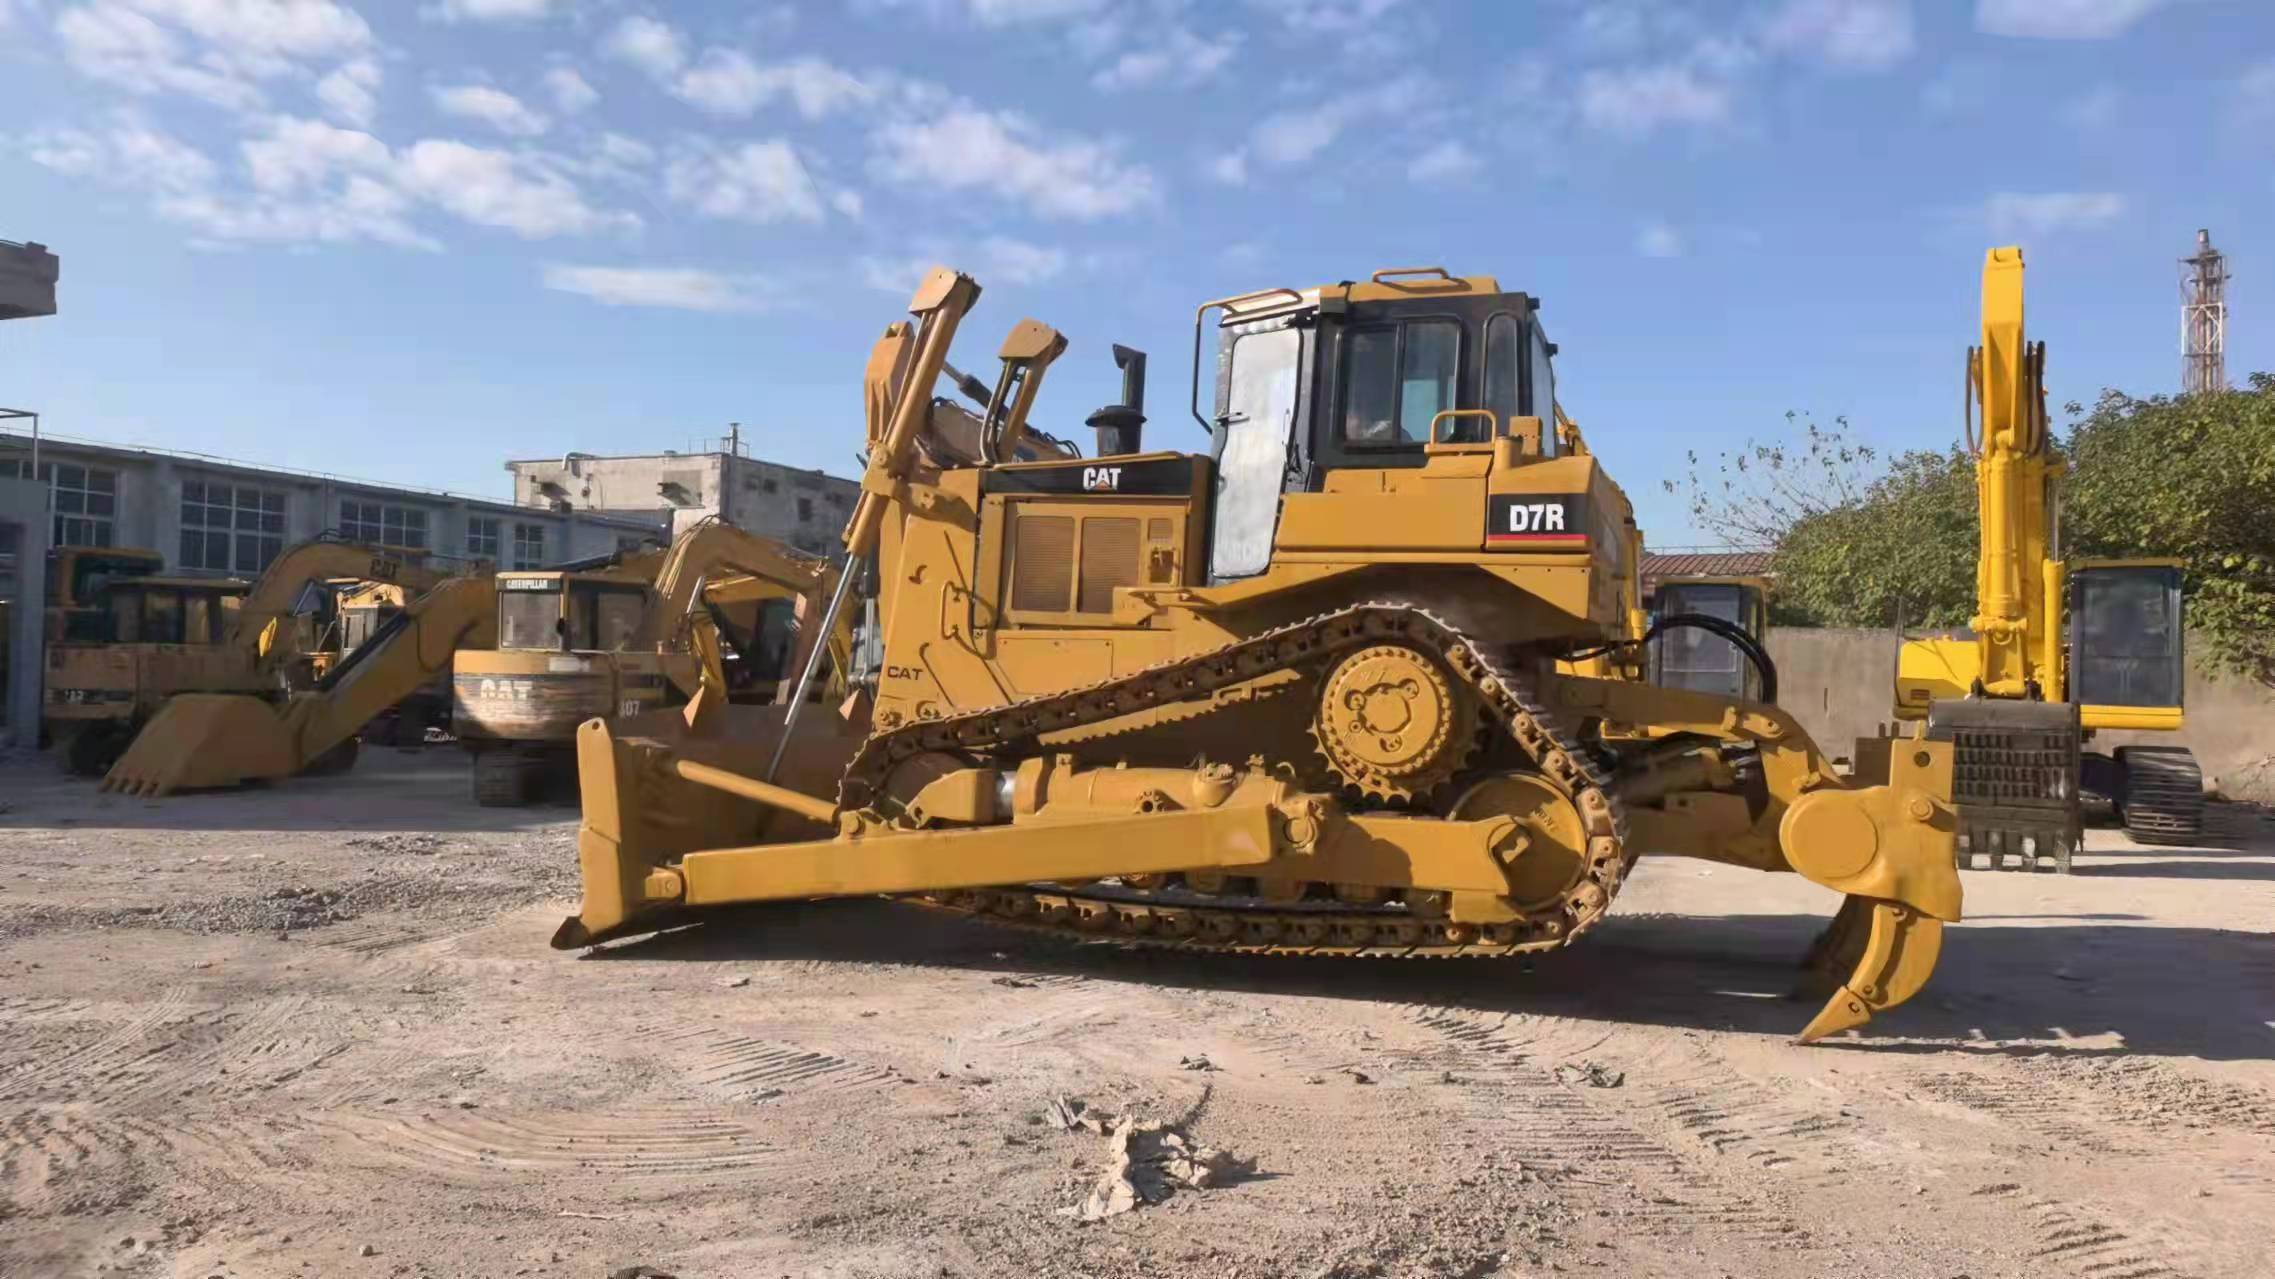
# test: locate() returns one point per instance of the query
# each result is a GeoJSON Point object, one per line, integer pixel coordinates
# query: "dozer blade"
{"type": "Point", "coordinates": [641, 816]}
{"type": "Point", "coordinates": [1888, 948]}
{"type": "Point", "coordinates": [202, 740]}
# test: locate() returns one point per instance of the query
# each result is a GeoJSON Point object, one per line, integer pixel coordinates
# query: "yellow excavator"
{"type": "Point", "coordinates": [204, 740]}
{"type": "Point", "coordinates": [142, 639]}
{"type": "Point", "coordinates": [1299, 692]}
{"type": "Point", "coordinates": [2056, 650]}
{"type": "Point", "coordinates": [614, 637]}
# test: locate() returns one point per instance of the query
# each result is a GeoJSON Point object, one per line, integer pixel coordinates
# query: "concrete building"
{"type": "Point", "coordinates": [806, 509]}
{"type": "Point", "coordinates": [216, 517]}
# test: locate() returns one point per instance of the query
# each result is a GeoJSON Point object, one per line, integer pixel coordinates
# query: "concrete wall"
{"type": "Point", "coordinates": [807, 509]}
{"type": "Point", "coordinates": [1839, 684]}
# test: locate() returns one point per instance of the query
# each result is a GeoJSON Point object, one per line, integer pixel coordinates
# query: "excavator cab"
{"type": "Point", "coordinates": [1695, 658]}
{"type": "Point", "coordinates": [2127, 658]}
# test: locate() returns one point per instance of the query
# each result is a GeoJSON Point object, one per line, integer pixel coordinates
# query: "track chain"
{"type": "Point", "coordinates": [1187, 919]}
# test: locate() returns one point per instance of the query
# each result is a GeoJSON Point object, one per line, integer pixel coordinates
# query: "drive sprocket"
{"type": "Point", "coordinates": [1391, 724]}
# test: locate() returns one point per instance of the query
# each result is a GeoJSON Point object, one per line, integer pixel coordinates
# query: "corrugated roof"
{"type": "Point", "coordinates": [1657, 566]}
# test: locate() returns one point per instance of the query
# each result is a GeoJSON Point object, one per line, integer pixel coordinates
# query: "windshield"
{"type": "Point", "coordinates": [526, 617]}
{"type": "Point", "coordinates": [1689, 650]}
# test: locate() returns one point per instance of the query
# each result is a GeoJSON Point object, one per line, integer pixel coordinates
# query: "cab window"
{"type": "Point", "coordinates": [526, 618]}
{"type": "Point", "coordinates": [1504, 362]}
{"type": "Point", "coordinates": [1396, 378]}
{"type": "Point", "coordinates": [1542, 390]}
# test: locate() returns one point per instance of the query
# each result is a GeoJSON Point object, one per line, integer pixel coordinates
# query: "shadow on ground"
{"type": "Point", "coordinates": [2086, 986]}
{"type": "Point", "coordinates": [425, 790]}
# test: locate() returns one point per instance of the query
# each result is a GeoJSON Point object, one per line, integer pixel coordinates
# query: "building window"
{"type": "Point", "coordinates": [482, 538]}
{"type": "Point", "coordinates": [528, 546]}
{"type": "Point", "coordinates": [805, 509]}
{"type": "Point", "coordinates": [230, 528]}
{"type": "Point", "coordinates": [86, 501]}
{"type": "Point", "coordinates": [402, 527]}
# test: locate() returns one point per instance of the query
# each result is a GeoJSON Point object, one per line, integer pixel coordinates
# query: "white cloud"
{"type": "Point", "coordinates": [1448, 161]}
{"type": "Point", "coordinates": [1018, 262]}
{"type": "Point", "coordinates": [295, 155]}
{"type": "Point", "coordinates": [499, 189]}
{"type": "Point", "coordinates": [1327, 17]}
{"type": "Point", "coordinates": [129, 153]}
{"type": "Point", "coordinates": [652, 46]}
{"type": "Point", "coordinates": [995, 260]}
{"type": "Point", "coordinates": [1180, 57]}
{"type": "Point", "coordinates": [2018, 213]}
{"type": "Point", "coordinates": [2095, 109]}
{"type": "Point", "coordinates": [351, 91]}
{"type": "Point", "coordinates": [1640, 100]}
{"type": "Point", "coordinates": [217, 50]}
{"type": "Point", "coordinates": [1866, 35]}
{"type": "Point", "coordinates": [1000, 13]}
{"type": "Point", "coordinates": [759, 182]}
{"type": "Point", "coordinates": [1293, 137]}
{"type": "Point", "coordinates": [2061, 19]}
{"type": "Point", "coordinates": [1008, 156]}
{"type": "Point", "coordinates": [569, 90]}
{"type": "Point", "coordinates": [1658, 240]}
{"type": "Point", "coordinates": [728, 82]}
{"type": "Point", "coordinates": [678, 288]}
{"type": "Point", "coordinates": [303, 180]}
{"type": "Point", "coordinates": [1231, 168]}
{"type": "Point", "coordinates": [494, 107]}
{"type": "Point", "coordinates": [493, 10]}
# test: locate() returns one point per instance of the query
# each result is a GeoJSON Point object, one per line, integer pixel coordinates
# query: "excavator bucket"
{"type": "Point", "coordinates": [203, 740]}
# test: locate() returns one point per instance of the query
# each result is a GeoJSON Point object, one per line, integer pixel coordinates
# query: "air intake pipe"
{"type": "Point", "coordinates": [1121, 427]}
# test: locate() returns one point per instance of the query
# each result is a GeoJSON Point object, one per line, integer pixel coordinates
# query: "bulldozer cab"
{"type": "Point", "coordinates": [571, 612]}
{"type": "Point", "coordinates": [1385, 374]}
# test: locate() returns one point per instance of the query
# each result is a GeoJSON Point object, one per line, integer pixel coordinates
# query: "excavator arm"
{"type": "Point", "coordinates": [203, 740]}
{"type": "Point", "coordinates": [262, 620]}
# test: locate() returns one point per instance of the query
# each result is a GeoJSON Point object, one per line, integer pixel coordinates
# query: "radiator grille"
{"type": "Point", "coordinates": [1109, 559]}
{"type": "Point", "coordinates": [1042, 563]}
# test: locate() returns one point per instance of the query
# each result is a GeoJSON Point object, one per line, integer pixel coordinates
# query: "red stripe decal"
{"type": "Point", "coordinates": [1537, 537]}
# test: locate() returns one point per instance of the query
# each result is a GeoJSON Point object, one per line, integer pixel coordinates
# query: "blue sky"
{"type": "Point", "coordinates": [407, 240]}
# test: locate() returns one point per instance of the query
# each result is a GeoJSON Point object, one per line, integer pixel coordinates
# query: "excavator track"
{"type": "Point", "coordinates": [2163, 794]}
{"type": "Point", "coordinates": [1183, 917]}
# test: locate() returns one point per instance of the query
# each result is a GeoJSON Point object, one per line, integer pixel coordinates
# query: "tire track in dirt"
{"type": "Point", "coordinates": [1510, 1093]}
{"type": "Point", "coordinates": [40, 1071]}
{"type": "Point", "coordinates": [649, 1142]}
{"type": "Point", "coordinates": [2078, 1240]}
{"type": "Point", "coordinates": [742, 1068]}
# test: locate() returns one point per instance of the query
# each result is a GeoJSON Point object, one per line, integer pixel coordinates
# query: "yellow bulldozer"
{"type": "Point", "coordinates": [1297, 692]}
{"type": "Point", "coordinates": [2056, 649]}
{"type": "Point", "coordinates": [617, 637]}
{"type": "Point", "coordinates": [231, 713]}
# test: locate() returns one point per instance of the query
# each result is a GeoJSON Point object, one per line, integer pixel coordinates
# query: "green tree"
{"type": "Point", "coordinates": [2193, 478]}
{"type": "Point", "coordinates": [1864, 541]}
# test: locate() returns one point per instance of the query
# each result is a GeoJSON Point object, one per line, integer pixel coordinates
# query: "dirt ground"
{"type": "Point", "coordinates": [316, 1030]}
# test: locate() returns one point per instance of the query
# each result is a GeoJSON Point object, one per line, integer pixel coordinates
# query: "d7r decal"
{"type": "Point", "coordinates": [1536, 519]}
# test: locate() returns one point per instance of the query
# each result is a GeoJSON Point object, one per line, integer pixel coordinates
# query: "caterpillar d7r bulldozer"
{"type": "Point", "coordinates": [2057, 650]}
{"type": "Point", "coordinates": [1297, 692]}
{"type": "Point", "coordinates": [616, 638]}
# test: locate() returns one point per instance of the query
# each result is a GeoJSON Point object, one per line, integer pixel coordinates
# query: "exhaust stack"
{"type": "Point", "coordinates": [1121, 427]}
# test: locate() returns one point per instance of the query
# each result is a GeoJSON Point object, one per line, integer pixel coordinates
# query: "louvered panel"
{"type": "Point", "coordinates": [1109, 559]}
{"type": "Point", "coordinates": [1042, 563]}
